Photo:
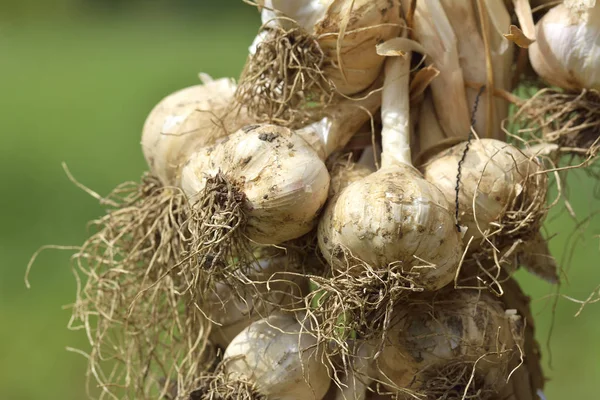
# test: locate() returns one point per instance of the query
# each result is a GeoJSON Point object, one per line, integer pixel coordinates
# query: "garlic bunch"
{"type": "Point", "coordinates": [394, 215]}
{"type": "Point", "coordinates": [347, 31]}
{"type": "Point", "coordinates": [435, 336]}
{"type": "Point", "coordinates": [279, 358]}
{"type": "Point", "coordinates": [566, 52]}
{"type": "Point", "coordinates": [187, 118]}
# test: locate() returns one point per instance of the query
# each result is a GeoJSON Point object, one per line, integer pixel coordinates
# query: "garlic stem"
{"type": "Point", "coordinates": [430, 134]}
{"type": "Point", "coordinates": [342, 121]}
{"type": "Point", "coordinates": [433, 30]}
{"type": "Point", "coordinates": [502, 51]}
{"type": "Point", "coordinates": [489, 68]}
{"type": "Point", "coordinates": [471, 51]}
{"type": "Point", "coordinates": [395, 112]}
{"type": "Point", "coordinates": [525, 17]}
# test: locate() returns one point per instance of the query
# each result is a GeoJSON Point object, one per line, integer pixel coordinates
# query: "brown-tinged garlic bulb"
{"type": "Point", "coordinates": [282, 183]}
{"type": "Point", "coordinates": [453, 333]}
{"type": "Point", "coordinates": [566, 52]}
{"type": "Point", "coordinates": [394, 215]}
{"type": "Point", "coordinates": [185, 119]}
{"type": "Point", "coordinates": [493, 175]}
{"type": "Point", "coordinates": [347, 31]}
{"type": "Point", "coordinates": [279, 359]}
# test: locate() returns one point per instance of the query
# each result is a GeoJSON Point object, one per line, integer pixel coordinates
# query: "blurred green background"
{"type": "Point", "coordinates": [77, 79]}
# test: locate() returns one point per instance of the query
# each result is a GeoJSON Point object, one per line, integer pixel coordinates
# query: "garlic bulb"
{"type": "Point", "coordinates": [352, 62]}
{"type": "Point", "coordinates": [566, 52]}
{"type": "Point", "coordinates": [184, 119]}
{"type": "Point", "coordinates": [434, 337]}
{"type": "Point", "coordinates": [274, 170]}
{"type": "Point", "coordinates": [493, 175]}
{"type": "Point", "coordinates": [276, 288]}
{"type": "Point", "coordinates": [279, 358]}
{"type": "Point", "coordinates": [394, 215]}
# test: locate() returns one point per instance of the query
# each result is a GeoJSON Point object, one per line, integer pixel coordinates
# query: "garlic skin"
{"type": "Point", "coordinates": [186, 118]}
{"type": "Point", "coordinates": [284, 181]}
{"type": "Point", "coordinates": [393, 215]}
{"type": "Point", "coordinates": [460, 327]}
{"type": "Point", "coordinates": [231, 314]}
{"type": "Point", "coordinates": [492, 175]}
{"type": "Point", "coordinates": [370, 22]}
{"type": "Point", "coordinates": [567, 53]}
{"type": "Point", "coordinates": [280, 359]}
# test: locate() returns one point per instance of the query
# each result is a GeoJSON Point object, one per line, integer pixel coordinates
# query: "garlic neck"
{"type": "Point", "coordinates": [395, 112]}
{"type": "Point", "coordinates": [342, 120]}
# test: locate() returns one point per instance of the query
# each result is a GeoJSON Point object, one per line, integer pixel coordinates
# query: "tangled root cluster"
{"type": "Point", "coordinates": [283, 81]}
{"type": "Point", "coordinates": [571, 121]}
{"type": "Point", "coordinates": [355, 302]}
{"type": "Point", "coordinates": [151, 277]}
{"type": "Point", "coordinates": [143, 331]}
{"type": "Point", "coordinates": [218, 386]}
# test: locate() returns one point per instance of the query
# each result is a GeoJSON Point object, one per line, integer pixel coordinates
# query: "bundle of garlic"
{"type": "Point", "coordinates": [564, 118]}
{"type": "Point", "coordinates": [258, 260]}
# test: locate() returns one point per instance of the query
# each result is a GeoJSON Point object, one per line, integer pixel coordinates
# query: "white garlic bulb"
{"type": "Point", "coordinates": [184, 119]}
{"type": "Point", "coordinates": [368, 23]}
{"type": "Point", "coordinates": [279, 358]}
{"type": "Point", "coordinates": [283, 181]}
{"type": "Point", "coordinates": [566, 52]}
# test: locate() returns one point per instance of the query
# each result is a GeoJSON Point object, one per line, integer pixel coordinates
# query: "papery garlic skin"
{"type": "Point", "coordinates": [460, 327]}
{"type": "Point", "coordinates": [567, 51]}
{"type": "Point", "coordinates": [370, 22]}
{"type": "Point", "coordinates": [184, 119]}
{"type": "Point", "coordinates": [232, 314]}
{"type": "Point", "coordinates": [283, 180]}
{"type": "Point", "coordinates": [394, 215]}
{"type": "Point", "coordinates": [492, 175]}
{"type": "Point", "coordinates": [280, 359]}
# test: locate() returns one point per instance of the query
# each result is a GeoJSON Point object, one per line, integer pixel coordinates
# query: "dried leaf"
{"type": "Point", "coordinates": [518, 37]}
